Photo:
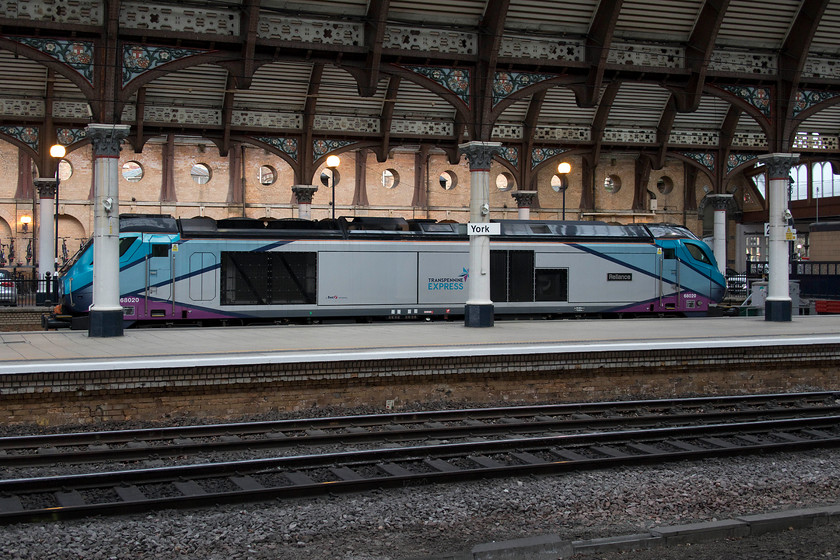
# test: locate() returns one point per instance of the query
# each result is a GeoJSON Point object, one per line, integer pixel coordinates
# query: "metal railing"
{"type": "Point", "coordinates": [817, 279]}
{"type": "Point", "coordinates": [18, 290]}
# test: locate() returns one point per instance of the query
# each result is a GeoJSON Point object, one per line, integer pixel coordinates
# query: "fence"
{"type": "Point", "coordinates": [817, 279]}
{"type": "Point", "coordinates": [17, 290]}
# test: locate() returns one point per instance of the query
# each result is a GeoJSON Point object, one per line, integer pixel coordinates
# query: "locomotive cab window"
{"type": "Point", "coordinates": [698, 253]}
{"type": "Point", "coordinates": [669, 253]}
{"type": "Point", "coordinates": [160, 250]}
{"type": "Point", "coordinates": [125, 244]}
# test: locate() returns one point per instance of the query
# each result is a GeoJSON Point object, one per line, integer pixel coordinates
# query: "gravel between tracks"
{"type": "Point", "coordinates": [435, 521]}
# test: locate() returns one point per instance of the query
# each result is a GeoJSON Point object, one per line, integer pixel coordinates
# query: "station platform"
{"type": "Point", "coordinates": [65, 377]}
{"type": "Point", "coordinates": [66, 351]}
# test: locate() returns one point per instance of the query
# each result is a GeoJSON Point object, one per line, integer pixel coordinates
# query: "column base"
{"type": "Point", "coordinates": [777, 310]}
{"type": "Point", "coordinates": [105, 323]}
{"type": "Point", "coordinates": [478, 315]}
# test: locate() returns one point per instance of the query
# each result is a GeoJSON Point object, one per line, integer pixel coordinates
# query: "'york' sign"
{"type": "Point", "coordinates": [484, 229]}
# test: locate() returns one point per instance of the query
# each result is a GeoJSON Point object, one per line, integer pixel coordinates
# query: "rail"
{"type": "Point", "coordinates": [504, 442]}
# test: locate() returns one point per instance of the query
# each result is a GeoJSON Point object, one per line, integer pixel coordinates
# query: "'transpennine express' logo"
{"type": "Point", "coordinates": [449, 283]}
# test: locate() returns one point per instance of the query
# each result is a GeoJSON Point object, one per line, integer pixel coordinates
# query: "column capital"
{"type": "Point", "coordinates": [778, 165]}
{"type": "Point", "coordinates": [524, 199]}
{"type": "Point", "coordinates": [721, 201]}
{"type": "Point", "coordinates": [46, 187]}
{"type": "Point", "coordinates": [106, 138]}
{"type": "Point", "coordinates": [480, 154]}
{"type": "Point", "coordinates": [304, 193]}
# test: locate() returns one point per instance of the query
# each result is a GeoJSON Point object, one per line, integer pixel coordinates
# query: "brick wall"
{"type": "Point", "coordinates": [231, 392]}
{"type": "Point", "coordinates": [21, 319]}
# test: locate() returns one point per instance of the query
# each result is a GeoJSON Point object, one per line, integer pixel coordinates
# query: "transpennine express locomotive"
{"type": "Point", "coordinates": [242, 270]}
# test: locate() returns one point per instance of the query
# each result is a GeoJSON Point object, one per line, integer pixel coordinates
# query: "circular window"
{"type": "Point", "coordinates": [559, 183]}
{"type": "Point", "coordinates": [200, 173]}
{"type": "Point", "coordinates": [448, 180]}
{"type": "Point", "coordinates": [267, 175]}
{"type": "Point", "coordinates": [132, 171]}
{"type": "Point", "coordinates": [330, 176]}
{"type": "Point", "coordinates": [665, 185]}
{"type": "Point", "coordinates": [390, 178]}
{"type": "Point", "coordinates": [65, 170]}
{"type": "Point", "coordinates": [612, 183]}
{"type": "Point", "coordinates": [505, 181]}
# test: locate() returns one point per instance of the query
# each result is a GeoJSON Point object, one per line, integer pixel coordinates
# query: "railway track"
{"type": "Point", "coordinates": [136, 445]}
{"type": "Point", "coordinates": [60, 497]}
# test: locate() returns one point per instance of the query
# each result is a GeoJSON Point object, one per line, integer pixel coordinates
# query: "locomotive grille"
{"type": "Point", "coordinates": [268, 278]}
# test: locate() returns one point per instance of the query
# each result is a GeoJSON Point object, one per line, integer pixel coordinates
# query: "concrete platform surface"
{"type": "Point", "coordinates": [50, 351]}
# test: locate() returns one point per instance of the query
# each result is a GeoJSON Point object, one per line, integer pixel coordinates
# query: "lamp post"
{"type": "Point", "coordinates": [57, 151]}
{"type": "Point", "coordinates": [563, 169]}
{"type": "Point", "coordinates": [332, 163]}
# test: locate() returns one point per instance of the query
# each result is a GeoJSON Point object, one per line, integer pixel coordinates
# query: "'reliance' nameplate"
{"type": "Point", "coordinates": [619, 277]}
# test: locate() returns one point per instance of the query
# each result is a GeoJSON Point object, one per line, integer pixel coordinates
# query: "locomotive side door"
{"type": "Point", "coordinates": [669, 279]}
{"type": "Point", "coordinates": [159, 276]}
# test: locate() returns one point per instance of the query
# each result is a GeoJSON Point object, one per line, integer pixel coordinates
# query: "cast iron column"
{"type": "Point", "coordinates": [478, 311]}
{"type": "Point", "coordinates": [778, 305]}
{"type": "Point", "coordinates": [46, 226]}
{"type": "Point", "coordinates": [303, 196]}
{"type": "Point", "coordinates": [106, 312]}
{"type": "Point", "coordinates": [720, 202]}
{"type": "Point", "coordinates": [524, 200]}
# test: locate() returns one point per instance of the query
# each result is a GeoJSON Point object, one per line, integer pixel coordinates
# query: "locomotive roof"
{"type": "Point", "coordinates": [370, 227]}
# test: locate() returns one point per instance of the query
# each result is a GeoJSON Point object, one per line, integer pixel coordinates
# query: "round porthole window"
{"type": "Point", "coordinates": [559, 183]}
{"type": "Point", "coordinates": [448, 180]}
{"type": "Point", "coordinates": [330, 176]}
{"type": "Point", "coordinates": [665, 185]}
{"type": "Point", "coordinates": [505, 182]}
{"type": "Point", "coordinates": [65, 170]}
{"type": "Point", "coordinates": [132, 171]}
{"type": "Point", "coordinates": [268, 175]}
{"type": "Point", "coordinates": [612, 183]}
{"type": "Point", "coordinates": [390, 178]}
{"type": "Point", "coordinates": [200, 173]}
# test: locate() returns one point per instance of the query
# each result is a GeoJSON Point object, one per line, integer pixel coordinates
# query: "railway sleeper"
{"type": "Point", "coordinates": [189, 488]}
{"type": "Point", "coordinates": [440, 465]}
{"type": "Point", "coordinates": [247, 483]}
{"type": "Point", "coordinates": [130, 494]}
{"type": "Point", "coordinates": [486, 462]}
{"type": "Point", "coordinates": [645, 448]}
{"type": "Point", "coordinates": [611, 451]}
{"type": "Point", "coordinates": [718, 442]}
{"type": "Point", "coordinates": [684, 445]}
{"type": "Point", "coordinates": [786, 436]}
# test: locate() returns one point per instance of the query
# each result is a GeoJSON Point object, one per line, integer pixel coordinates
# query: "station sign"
{"type": "Point", "coordinates": [484, 229]}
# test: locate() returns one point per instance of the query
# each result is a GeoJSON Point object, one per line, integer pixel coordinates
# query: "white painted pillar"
{"type": "Point", "coordinates": [778, 306]}
{"type": "Point", "coordinates": [46, 226]}
{"type": "Point", "coordinates": [303, 196]}
{"type": "Point", "coordinates": [524, 200]}
{"type": "Point", "coordinates": [478, 311]}
{"type": "Point", "coordinates": [106, 313]}
{"type": "Point", "coordinates": [720, 202]}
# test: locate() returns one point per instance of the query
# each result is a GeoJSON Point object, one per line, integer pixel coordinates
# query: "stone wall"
{"type": "Point", "coordinates": [226, 393]}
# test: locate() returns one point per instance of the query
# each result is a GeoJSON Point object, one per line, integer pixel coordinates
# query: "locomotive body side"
{"type": "Point", "coordinates": [203, 273]}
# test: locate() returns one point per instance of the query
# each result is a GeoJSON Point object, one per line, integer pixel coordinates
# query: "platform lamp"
{"type": "Point", "coordinates": [564, 169]}
{"type": "Point", "coordinates": [332, 163]}
{"type": "Point", "coordinates": [57, 151]}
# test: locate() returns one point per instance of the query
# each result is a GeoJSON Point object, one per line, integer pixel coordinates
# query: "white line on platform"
{"type": "Point", "coordinates": [337, 355]}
